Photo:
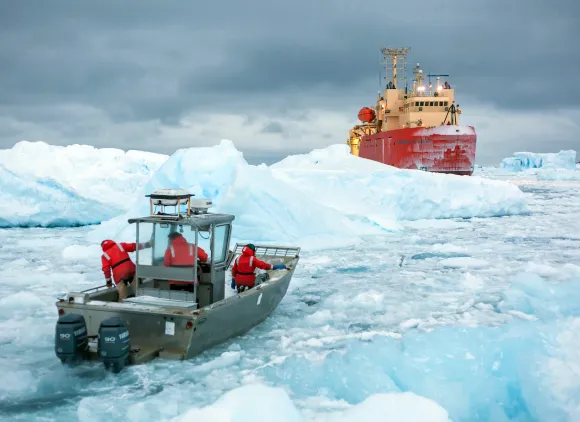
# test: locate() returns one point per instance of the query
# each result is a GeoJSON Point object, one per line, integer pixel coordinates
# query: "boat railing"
{"type": "Point", "coordinates": [277, 251]}
{"type": "Point", "coordinates": [95, 289]}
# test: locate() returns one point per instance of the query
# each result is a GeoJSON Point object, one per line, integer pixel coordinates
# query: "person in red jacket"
{"type": "Point", "coordinates": [116, 258]}
{"type": "Point", "coordinates": [180, 253]}
{"type": "Point", "coordinates": [243, 276]}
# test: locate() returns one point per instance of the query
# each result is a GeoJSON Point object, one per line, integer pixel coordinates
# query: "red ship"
{"type": "Point", "coordinates": [415, 128]}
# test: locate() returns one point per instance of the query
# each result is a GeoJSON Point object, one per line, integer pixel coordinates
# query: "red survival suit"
{"type": "Point", "coordinates": [180, 254]}
{"type": "Point", "coordinates": [244, 267]}
{"type": "Point", "coordinates": [116, 258]}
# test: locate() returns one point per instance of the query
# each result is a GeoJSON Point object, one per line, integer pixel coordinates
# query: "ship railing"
{"type": "Point", "coordinates": [428, 108]}
{"type": "Point", "coordinates": [425, 94]}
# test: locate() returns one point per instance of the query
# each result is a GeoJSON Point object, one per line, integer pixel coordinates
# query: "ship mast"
{"type": "Point", "coordinates": [391, 63]}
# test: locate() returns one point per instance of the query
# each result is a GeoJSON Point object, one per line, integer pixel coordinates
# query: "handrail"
{"type": "Point", "coordinates": [266, 250]}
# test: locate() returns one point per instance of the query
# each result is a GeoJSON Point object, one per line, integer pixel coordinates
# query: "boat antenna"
{"type": "Point", "coordinates": [391, 56]}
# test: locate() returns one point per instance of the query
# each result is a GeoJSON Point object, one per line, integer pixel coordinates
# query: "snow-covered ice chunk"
{"type": "Point", "coordinates": [45, 203]}
{"type": "Point", "coordinates": [105, 175]}
{"type": "Point", "coordinates": [360, 187]}
{"type": "Point", "coordinates": [275, 405]}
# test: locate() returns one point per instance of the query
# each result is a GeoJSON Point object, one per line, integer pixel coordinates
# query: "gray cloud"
{"type": "Point", "coordinates": [273, 127]}
{"type": "Point", "coordinates": [124, 66]}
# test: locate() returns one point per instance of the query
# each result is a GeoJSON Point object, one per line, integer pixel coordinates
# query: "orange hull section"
{"type": "Point", "coordinates": [440, 149]}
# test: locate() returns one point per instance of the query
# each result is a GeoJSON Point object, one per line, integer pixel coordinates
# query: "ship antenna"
{"type": "Point", "coordinates": [394, 54]}
{"type": "Point", "coordinates": [380, 75]}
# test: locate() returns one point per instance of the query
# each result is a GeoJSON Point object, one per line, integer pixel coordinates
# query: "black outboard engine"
{"type": "Point", "coordinates": [71, 343]}
{"type": "Point", "coordinates": [114, 344]}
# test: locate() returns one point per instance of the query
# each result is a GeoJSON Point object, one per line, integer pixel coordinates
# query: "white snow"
{"type": "Point", "coordinates": [564, 175]}
{"type": "Point", "coordinates": [448, 130]}
{"type": "Point", "coordinates": [275, 405]}
{"type": "Point", "coordinates": [107, 175]}
{"type": "Point", "coordinates": [327, 197]}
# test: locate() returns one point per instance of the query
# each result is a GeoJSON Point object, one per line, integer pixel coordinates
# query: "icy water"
{"type": "Point", "coordinates": [480, 315]}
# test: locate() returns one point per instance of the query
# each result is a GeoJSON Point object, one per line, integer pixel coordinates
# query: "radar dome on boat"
{"type": "Point", "coordinates": [168, 197]}
{"type": "Point", "coordinates": [176, 198]}
{"type": "Point", "coordinates": [366, 114]}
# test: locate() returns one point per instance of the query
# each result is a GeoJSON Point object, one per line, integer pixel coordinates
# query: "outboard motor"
{"type": "Point", "coordinates": [114, 344]}
{"type": "Point", "coordinates": [71, 343]}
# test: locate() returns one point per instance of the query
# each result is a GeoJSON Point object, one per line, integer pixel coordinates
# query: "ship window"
{"type": "Point", "coordinates": [416, 103]}
{"type": "Point", "coordinates": [431, 103]}
{"type": "Point", "coordinates": [421, 104]}
{"type": "Point", "coordinates": [446, 103]}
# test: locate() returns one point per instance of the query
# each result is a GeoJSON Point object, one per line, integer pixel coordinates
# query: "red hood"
{"type": "Point", "coordinates": [247, 251]}
{"type": "Point", "coordinates": [179, 241]}
{"type": "Point", "coordinates": [107, 244]}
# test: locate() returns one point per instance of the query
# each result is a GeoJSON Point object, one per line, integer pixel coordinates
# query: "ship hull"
{"type": "Point", "coordinates": [439, 149]}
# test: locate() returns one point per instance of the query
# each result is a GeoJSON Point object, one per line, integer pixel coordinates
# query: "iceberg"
{"type": "Point", "coordinates": [358, 186]}
{"type": "Point", "coordinates": [565, 159]}
{"type": "Point", "coordinates": [267, 210]}
{"type": "Point", "coordinates": [45, 203]}
{"type": "Point", "coordinates": [327, 197]}
{"type": "Point", "coordinates": [106, 175]}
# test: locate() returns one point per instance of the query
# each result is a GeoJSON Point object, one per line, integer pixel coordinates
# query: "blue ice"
{"type": "Point", "coordinates": [480, 322]}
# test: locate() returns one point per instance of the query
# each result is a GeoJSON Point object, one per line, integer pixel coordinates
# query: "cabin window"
{"type": "Point", "coordinates": [161, 242]}
{"type": "Point", "coordinates": [445, 103]}
{"type": "Point", "coordinates": [421, 103]}
{"type": "Point", "coordinates": [417, 104]}
{"type": "Point", "coordinates": [431, 103]}
{"type": "Point", "coordinates": [202, 238]}
{"type": "Point", "coordinates": [220, 243]}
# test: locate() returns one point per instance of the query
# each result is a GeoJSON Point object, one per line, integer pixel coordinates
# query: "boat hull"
{"type": "Point", "coordinates": [162, 331]}
{"type": "Point", "coordinates": [439, 149]}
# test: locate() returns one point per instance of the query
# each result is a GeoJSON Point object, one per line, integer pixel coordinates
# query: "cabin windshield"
{"type": "Point", "coordinates": [159, 233]}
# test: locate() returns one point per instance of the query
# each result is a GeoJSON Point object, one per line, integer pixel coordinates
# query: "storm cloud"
{"type": "Point", "coordinates": [278, 77]}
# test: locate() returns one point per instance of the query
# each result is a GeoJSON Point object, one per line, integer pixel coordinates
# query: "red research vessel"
{"type": "Point", "coordinates": [417, 128]}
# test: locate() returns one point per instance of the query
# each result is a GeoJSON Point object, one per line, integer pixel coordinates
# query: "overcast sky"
{"type": "Point", "coordinates": [279, 77]}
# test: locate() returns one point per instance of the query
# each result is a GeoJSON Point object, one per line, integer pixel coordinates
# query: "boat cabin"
{"type": "Point", "coordinates": [175, 212]}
